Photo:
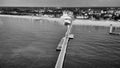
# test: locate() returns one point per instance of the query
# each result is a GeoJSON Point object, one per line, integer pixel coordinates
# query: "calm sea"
{"type": "Point", "coordinates": [93, 47]}
{"type": "Point", "coordinates": [26, 43]}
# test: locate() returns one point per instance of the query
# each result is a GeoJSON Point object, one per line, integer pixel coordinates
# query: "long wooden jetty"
{"type": "Point", "coordinates": [60, 60]}
{"type": "Point", "coordinates": [62, 46]}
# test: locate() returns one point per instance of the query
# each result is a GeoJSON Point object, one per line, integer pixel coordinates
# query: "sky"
{"type": "Point", "coordinates": [60, 3]}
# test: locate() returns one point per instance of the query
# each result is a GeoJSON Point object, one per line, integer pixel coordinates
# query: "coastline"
{"type": "Point", "coordinates": [105, 23]}
{"type": "Point", "coordinates": [33, 18]}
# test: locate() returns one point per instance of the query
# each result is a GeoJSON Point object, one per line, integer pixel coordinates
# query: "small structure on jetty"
{"type": "Point", "coordinates": [67, 17]}
{"type": "Point", "coordinates": [112, 29]}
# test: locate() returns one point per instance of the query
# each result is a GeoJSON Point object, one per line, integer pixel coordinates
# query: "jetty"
{"type": "Point", "coordinates": [62, 46]}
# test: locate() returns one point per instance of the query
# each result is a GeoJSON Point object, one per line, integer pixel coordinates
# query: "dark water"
{"type": "Point", "coordinates": [93, 47]}
{"type": "Point", "coordinates": [29, 44]}
{"type": "Point", "coordinates": [26, 43]}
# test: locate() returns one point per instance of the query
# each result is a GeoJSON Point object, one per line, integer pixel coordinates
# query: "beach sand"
{"type": "Point", "coordinates": [105, 23]}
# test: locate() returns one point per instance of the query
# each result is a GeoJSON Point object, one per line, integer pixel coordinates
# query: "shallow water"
{"type": "Point", "coordinates": [93, 47]}
{"type": "Point", "coordinates": [27, 43]}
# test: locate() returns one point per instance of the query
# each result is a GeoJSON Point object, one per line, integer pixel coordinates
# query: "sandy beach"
{"type": "Point", "coordinates": [97, 23]}
{"type": "Point", "coordinates": [105, 23]}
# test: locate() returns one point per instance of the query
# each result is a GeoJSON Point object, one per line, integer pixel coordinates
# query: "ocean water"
{"type": "Point", "coordinates": [93, 47]}
{"type": "Point", "coordinates": [27, 43]}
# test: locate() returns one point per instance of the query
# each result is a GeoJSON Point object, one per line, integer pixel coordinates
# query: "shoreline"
{"type": "Point", "coordinates": [105, 23]}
